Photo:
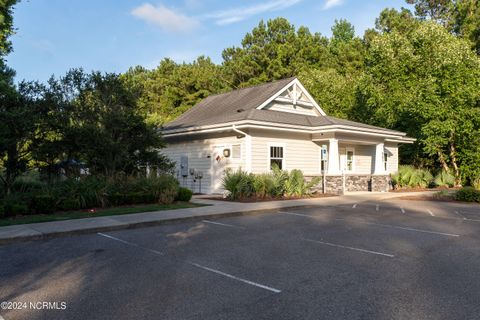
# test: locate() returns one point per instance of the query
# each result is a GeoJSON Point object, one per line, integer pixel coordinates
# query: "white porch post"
{"type": "Point", "coordinates": [333, 165]}
{"type": "Point", "coordinates": [379, 167]}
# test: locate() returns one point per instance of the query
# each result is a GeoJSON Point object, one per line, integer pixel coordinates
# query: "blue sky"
{"type": "Point", "coordinates": [113, 35]}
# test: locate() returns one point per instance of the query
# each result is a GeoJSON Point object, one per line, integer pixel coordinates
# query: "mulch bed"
{"type": "Point", "coordinates": [254, 199]}
{"type": "Point", "coordinates": [422, 189]}
{"type": "Point", "coordinates": [428, 198]}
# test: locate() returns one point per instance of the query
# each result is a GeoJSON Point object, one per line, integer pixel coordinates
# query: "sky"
{"type": "Point", "coordinates": [54, 36]}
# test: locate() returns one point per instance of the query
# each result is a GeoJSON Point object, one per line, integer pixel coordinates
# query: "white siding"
{"type": "Point", "coordinates": [392, 162]}
{"type": "Point", "coordinates": [363, 157]}
{"type": "Point", "coordinates": [201, 156]}
{"type": "Point", "coordinates": [299, 151]}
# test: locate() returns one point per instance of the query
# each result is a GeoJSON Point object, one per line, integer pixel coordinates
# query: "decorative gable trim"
{"type": "Point", "coordinates": [296, 85]}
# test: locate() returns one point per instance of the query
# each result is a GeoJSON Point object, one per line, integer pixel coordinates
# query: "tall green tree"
{"type": "Point", "coordinates": [427, 84]}
{"type": "Point", "coordinates": [272, 51]}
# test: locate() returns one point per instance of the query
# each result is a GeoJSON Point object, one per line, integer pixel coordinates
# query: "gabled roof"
{"type": "Point", "coordinates": [226, 105]}
{"type": "Point", "coordinates": [246, 105]}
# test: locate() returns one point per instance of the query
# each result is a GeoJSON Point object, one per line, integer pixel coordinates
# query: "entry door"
{"type": "Point", "coordinates": [218, 168]}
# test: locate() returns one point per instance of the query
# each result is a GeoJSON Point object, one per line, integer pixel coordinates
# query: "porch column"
{"type": "Point", "coordinates": [333, 165]}
{"type": "Point", "coordinates": [379, 167]}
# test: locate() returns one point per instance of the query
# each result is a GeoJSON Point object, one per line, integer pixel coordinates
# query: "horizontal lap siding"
{"type": "Point", "coordinates": [299, 151]}
{"type": "Point", "coordinates": [364, 157]}
{"type": "Point", "coordinates": [392, 162]}
{"type": "Point", "coordinates": [198, 152]}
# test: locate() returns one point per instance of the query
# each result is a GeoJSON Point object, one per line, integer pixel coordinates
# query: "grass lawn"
{"type": "Point", "coordinates": [98, 213]}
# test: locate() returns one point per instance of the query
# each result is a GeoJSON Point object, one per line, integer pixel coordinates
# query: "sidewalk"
{"type": "Point", "coordinates": [216, 208]}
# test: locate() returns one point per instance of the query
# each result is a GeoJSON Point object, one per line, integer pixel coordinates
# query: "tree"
{"type": "Point", "coordinates": [272, 51]}
{"type": "Point", "coordinates": [170, 89]}
{"type": "Point", "coordinates": [427, 84]}
{"type": "Point", "coordinates": [436, 10]}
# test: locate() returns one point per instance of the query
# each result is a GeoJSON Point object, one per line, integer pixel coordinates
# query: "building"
{"type": "Point", "coordinates": [278, 123]}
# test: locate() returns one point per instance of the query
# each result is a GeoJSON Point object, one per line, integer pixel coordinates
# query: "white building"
{"type": "Point", "coordinates": [278, 122]}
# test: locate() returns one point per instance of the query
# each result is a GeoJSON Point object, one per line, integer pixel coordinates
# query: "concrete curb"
{"type": "Point", "coordinates": [133, 225]}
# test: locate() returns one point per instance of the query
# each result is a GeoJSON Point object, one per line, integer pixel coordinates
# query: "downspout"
{"type": "Point", "coordinates": [248, 148]}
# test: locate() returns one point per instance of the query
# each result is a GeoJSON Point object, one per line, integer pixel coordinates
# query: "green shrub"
{"type": "Point", "coordinates": [14, 206]}
{"type": "Point", "coordinates": [468, 194]}
{"type": "Point", "coordinates": [68, 204]}
{"type": "Point", "coordinates": [44, 203]}
{"type": "Point", "coordinates": [444, 179]}
{"type": "Point", "coordinates": [411, 177]}
{"type": "Point", "coordinates": [279, 177]}
{"type": "Point", "coordinates": [296, 186]}
{"type": "Point", "coordinates": [28, 183]}
{"type": "Point", "coordinates": [2, 211]}
{"type": "Point", "coordinates": [184, 194]}
{"type": "Point", "coordinates": [263, 185]}
{"type": "Point", "coordinates": [238, 183]}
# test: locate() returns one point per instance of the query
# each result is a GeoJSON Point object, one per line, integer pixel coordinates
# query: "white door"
{"type": "Point", "coordinates": [218, 168]}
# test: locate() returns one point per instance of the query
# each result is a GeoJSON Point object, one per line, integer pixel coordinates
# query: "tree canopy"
{"type": "Point", "coordinates": [416, 72]}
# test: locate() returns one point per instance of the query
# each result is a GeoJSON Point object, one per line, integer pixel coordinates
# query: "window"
{"type": "Point", "coordinates": [236, 151]}
{"type": "Point", "coordinates": [276, 156]}
{"type": "Point", "coordinates": [349, 164]}
{"type": "Point", "coordinates": [385, 161]}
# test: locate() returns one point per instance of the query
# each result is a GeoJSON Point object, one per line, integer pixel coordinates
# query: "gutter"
{"type": "Point", "coordinates": [248, 148]}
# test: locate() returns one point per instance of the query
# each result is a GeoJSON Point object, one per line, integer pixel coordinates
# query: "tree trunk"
{"type": "Point", "coordinates": [441, 158]}
{"type": "Point", "coordinates": [453, 156]}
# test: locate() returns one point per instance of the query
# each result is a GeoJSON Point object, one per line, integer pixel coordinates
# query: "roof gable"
{"type": "Point", "coordinates": [293, 98]}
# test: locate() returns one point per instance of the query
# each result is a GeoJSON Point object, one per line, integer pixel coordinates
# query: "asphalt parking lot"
{"type": "Point", "coordinates": [372, 260]}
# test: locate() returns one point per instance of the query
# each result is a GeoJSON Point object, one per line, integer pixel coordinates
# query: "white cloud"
{"type": "Point", "coordinates": [332, 3]}
{"type": "Point", "coordinates": [165, 18]}
{"type": "Point", "coordinates": [238, 14]}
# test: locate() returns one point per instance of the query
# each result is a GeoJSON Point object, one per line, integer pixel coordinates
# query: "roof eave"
{"type": "Point", "coordinates": [394, 135]}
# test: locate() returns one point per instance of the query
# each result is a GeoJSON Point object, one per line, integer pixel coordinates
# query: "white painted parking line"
{"type": "Point", "coordinates": [236, 278]}
{"type": "Point", "coordinates": [354, 206]}
{"type": "Point", "coordinates": [129, 243]}
{"type": "Point", "coordinates": [460, 215]}
{"type": "Point", "coordinates": [377, 207]}
{"type": "Point", "coordinates": [296, 214]}
{"type": "Point", "coordinates": [351, 248]}
{"type": "Point", "coordinates": [405, 228]}
{"type": "Point", "coordinates": [403, 210]}
{"type": "Point", "coordinates": [430, 212]}
{"type": "Point", "coordinates": [222, 224]}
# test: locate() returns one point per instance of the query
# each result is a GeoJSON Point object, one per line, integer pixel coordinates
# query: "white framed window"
{"type": "Point", "coordinates": [276, 156]}
{"type": "Point", "coordinates": [236, 151]}
{"type": "Point", "coordinates": [350, 159]}
{"type": "Point", "coordinates": [385, 161]}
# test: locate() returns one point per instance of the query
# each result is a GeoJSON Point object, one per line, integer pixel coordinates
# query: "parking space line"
{"type": "Point", "coordinates": [405, 228]}
{"type": "Point", "coordinates": [296, 214]}
{"type": "Point", "coordinates": [351, 248]}
{"type": "Point", "coordinates": [460, 215]}
{"type": "Point", "coordinates": [222, 224]}
{"type": "Point", "coordinates": [430, 212]}
{"type": "Point", "coordinates": [236, 278]}
{"type": "Point", "coordinates": [377, 207]}
{"type": "Point", "coordinates": [129, 243]}
{"type": "Point", "coordinates": [354, 206]}
{"type": "Point", "coordinates": [403, 210]}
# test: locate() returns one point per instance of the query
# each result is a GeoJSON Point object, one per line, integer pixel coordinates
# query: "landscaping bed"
{"type": "Point", "coordinates": [95, 212]}
{"type": "Point", "coordinates": [263, 199]}
{"type": "Point", "coordinates": [466, 194]}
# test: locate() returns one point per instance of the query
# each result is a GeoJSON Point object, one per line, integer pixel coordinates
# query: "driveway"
{"type": "Point", "coordinates": [389, 259]}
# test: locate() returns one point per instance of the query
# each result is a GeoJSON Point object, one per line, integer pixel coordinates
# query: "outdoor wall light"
{"type": "Point", "coordinates": [226, 153]}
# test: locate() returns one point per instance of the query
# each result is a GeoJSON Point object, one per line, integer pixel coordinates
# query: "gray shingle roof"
{"type": "Point", "coordinates": [241, 104]}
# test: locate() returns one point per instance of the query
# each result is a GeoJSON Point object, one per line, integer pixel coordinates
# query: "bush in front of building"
{"type": "Point", "coordinates": [274, 184]}
{"type": "Point", "coordinates": [89, 192]}
{"type": "Point", "coordinates": [184, 194]}
{"type": "Point", "coordinates": [468, 194]}
{"type": "Point", "coordinates": [411, 177]}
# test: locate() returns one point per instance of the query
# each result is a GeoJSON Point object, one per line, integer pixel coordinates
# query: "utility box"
{"type": "Point", "coordinates": [184, 166]}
